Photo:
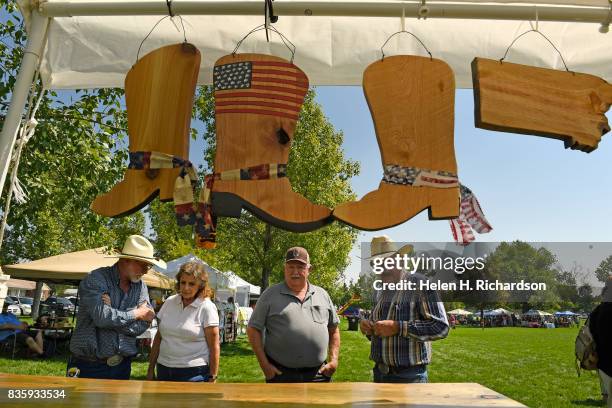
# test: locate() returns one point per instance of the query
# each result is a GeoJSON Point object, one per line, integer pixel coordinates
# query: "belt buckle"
{"type": "Point", "coordinates": [383, 368]}
{"type": "Point", "coordinates": [114, 360]}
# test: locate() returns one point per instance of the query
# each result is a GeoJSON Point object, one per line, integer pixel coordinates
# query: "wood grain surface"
{"type": "Point", "coordinates": [529, 100]}
{"type": "Point", "coordinates": [158, 394]}
{"type": "Point", "coordinates": [247, 139]}
{"type": "Point", "coordinates": [159, 92]}
{"type": "Point", "coordinates": [411, 100]}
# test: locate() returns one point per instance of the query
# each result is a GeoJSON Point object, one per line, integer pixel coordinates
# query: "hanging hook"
{"type": "Point", "coordinates": [423, 10]}
{"type": "Point", "coordinates": [403, 20]}
{"type": "Point", "coordinates": [269, 17]}
{"type": "Point", "coordinates": [605, 25]}
{"type": "Point", "coordinates": [537, 16]}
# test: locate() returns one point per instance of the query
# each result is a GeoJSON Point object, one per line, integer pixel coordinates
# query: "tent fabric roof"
{"type": "Point", "coordinates": [24, 284]}
{"type": "Point", "coordinates": [460, 312]}
{"type": "Point", "coordinates": [74, 266]}
{"type": "Point", "coordinates": [95, 52]}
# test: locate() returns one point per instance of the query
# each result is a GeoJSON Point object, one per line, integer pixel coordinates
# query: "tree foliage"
{"type": "Point", "coordinates": [77, 152]}
{"type": "Point", "coordinates": [604, 270]}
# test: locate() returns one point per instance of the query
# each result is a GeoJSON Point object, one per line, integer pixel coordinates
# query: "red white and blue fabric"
{"type": "Point", "coordinates": [470, 216]}
{"type": "Point", "coordinates": [200, 215]}
{"type": "Point", "coordinates": [470, 213]}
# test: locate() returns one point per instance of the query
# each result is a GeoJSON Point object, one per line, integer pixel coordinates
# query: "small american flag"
{"type": "Point", "coordinates": [273, 88]}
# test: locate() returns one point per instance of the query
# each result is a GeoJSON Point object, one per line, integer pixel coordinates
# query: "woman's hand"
{"type": "Point", "coordinates": [151, 374]}
{"type": "Point", "coordinates": [106, 299]}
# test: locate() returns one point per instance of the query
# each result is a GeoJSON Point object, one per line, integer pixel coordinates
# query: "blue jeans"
{"type": "Point", "coordinates": [92, 369]}
{"type": "Point", "coordinates": [415, 374]}
{"type": "Point", "coordinates": [191, 374]}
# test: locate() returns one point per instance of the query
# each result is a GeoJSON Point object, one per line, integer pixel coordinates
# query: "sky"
{"type": "Point", "coordinates": [530, 188]}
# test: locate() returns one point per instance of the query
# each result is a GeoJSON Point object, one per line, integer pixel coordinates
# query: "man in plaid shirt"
{"type": "Point", "coordinates": [403, 323]}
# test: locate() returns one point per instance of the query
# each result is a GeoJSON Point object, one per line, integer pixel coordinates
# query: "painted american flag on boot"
{"type": "Point", "coordinates": [273, 88]}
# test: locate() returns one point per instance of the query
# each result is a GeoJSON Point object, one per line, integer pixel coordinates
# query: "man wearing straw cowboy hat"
{"type": "Point", "coordinates": [113, 310]}
{"type": "Point", "coordinates": [403, 322]}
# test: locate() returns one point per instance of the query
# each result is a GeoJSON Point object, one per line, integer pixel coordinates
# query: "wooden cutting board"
{"type": "Point", "coordinates": [159, 92]}
{"type": "Point", "coordinates": [256, 97]}
{"type": "Point", "coordinates": [543, 102]}
{"type": "Point", "coordinates": [411, 100]}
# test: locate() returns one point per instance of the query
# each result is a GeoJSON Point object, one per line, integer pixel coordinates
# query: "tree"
{"type": "Point", "coordinates": [65, 165]}
{"type": "Point", "coordinates": [586, 300]}
{"type": "Point", "coordinates": [604, 270]}
{"type": "Point", "coordinates": [255, 250]}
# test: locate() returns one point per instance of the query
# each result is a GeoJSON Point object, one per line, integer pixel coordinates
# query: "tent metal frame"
{"type": "Point", "coordinates": [42, 12]}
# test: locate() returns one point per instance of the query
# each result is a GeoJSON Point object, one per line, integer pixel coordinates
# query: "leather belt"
{"type": "Point", "coordinates": [111, 361]}
{"type": "Point", "coordinates": [386, 369]}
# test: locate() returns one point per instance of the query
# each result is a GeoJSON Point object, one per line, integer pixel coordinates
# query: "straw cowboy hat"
{"type": "Point", "coordinates": [383, 247]}
{"type": "Point", "coordinates": [139, 248]}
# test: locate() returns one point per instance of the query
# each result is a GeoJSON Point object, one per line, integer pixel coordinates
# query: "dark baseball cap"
{"type": "Point", "coordinates": [297, 254]}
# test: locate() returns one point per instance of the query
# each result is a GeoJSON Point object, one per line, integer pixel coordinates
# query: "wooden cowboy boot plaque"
{"type": "Point", "coordinates": [545, 102]}
{"type": "Point", "coordinates": [411, 100]}
{"type": "Point", "coordinates": [257, 103]}
{"type": "Point", "coordinates": [159, 92]}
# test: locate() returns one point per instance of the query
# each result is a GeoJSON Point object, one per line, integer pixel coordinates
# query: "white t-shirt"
{"type": "Point", "coordinates": [182, 330]}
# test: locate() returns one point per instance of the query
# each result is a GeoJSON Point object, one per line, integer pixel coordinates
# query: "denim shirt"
{"type": "Point", "coordinates": [102, 331]}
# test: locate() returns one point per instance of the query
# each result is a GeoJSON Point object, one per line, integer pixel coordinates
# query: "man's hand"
{"type": "Point", "coordinates": [386, 328]}
{"type": "Point", "coordinates": [106, 299]}
{"type": "Point", "coordinates": [151, 373]}
{"type": "Point", "coordinates": [144, 312]}
{"type": "Point", "coordinates": [23, 326]}
{"type": "Point", "coordinates": [366, 327]}
{"type": "Point", "coordinates": [329, 369]}
{"type": "Point", "coordinates": [270, 371]}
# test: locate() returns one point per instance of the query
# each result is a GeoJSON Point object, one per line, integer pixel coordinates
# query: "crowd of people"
{"type": "Point", "coordinates": [293, 329]}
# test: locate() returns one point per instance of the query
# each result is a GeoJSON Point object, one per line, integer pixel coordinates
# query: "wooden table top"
{"type": "Point", "coordinates": [82, 392]}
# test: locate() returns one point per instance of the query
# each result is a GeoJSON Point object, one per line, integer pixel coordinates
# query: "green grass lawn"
{"type": "Point", "coordinates": [533, 366]}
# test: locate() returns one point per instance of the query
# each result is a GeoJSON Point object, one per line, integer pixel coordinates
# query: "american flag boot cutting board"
{"type": "Point", "coordinates": [257, 104]}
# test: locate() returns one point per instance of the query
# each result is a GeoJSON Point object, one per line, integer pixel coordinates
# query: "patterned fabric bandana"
{"type": "Point", "coordinates": [470, 213]}
{"type": "Point", "coordinates": [200, 215]}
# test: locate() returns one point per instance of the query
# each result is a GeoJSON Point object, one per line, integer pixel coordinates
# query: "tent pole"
{"type": "Point", "coordinates": [373, 8]}
{"type": "Point", "coordinates": [29, 64]}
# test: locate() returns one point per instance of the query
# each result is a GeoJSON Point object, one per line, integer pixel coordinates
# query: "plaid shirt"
{"type": "Point", "coordinates": [101, 330]}
{"type": "Point", "coordinates": [421, 318]}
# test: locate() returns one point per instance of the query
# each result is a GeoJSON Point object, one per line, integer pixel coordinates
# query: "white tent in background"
{"type": "Point", "coordinates": [460, 312]}
{"type": "Point", "coordinates": [217, 279]}
{"type": "Point", "coordinates": [534, 312]}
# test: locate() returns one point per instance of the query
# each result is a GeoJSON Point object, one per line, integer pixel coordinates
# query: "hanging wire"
{"type": "Point", "coordinates": [261, 27]}
{"type": "Point", "coordinates": [269, 16]}
{"type": "Point", "coordinates": [406, 32]}
{"type": "Point", "coordinates": [545, 37]}
{"type": "Point", "coordinates": [171, 15]}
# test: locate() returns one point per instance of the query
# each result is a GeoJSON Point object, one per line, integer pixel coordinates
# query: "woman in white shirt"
{"type": "Point", "coordinates": [186, 346]}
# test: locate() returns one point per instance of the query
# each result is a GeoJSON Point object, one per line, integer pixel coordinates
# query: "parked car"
{"type": "Point", "coordinates": [11, 306]}
{"type": "Point", "coordinates": [61, 306]}
{"type": "Point", "coordinates": [74, 301]}
{"type": "Point", "coordinates": [24, 303]}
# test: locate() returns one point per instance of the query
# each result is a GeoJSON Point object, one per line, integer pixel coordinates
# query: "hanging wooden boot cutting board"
{"type": "Point", "coordinates": [544, 102]}
{"type": "Point", "coordinates": [257, 103]}
{"type": "Point", "coordinates": [159, 92]}
{"type": "Point", "coordinates": [411, 100]}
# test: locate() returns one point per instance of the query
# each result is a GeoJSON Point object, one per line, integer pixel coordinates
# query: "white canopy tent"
{"type": "Point", "coordinates": [217, 279]}
{"type": "Point", "coordinates": [460, 312]}
{"type": "Point", "coordinates": [93, 43]}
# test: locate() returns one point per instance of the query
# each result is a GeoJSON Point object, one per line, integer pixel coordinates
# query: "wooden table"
{"type": "Point", "coordinates": [156, 394]}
